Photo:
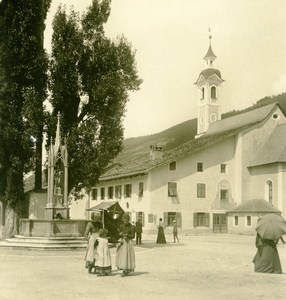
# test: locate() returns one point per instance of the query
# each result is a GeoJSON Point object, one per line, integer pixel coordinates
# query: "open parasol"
{"type": "Point", "coordinates": [271, 226]}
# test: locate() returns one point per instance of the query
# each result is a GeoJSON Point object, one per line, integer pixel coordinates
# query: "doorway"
{"type": "Point", "coordinates": [219, 223]}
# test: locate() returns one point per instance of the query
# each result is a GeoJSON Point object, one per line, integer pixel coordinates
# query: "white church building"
{"type": "Point", "coordinates": [231, 161]}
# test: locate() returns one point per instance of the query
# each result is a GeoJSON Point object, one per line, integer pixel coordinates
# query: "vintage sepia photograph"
{"type": "Point", "coordinates": [142, 149]}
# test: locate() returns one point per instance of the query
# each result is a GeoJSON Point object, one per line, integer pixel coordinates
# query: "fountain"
{"type": "Point", "coordinates": [56, 229]}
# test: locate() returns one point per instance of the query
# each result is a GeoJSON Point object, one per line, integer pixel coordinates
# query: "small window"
{"type": "Point", "coordinates": [203, 93]}
{"type": "Point", "coordinates": [248, 220]}
{"type": "Point", "coordinates": [200, 167]}
{"type": "Point", "coordinates": [172, 189]}
{"type": "Point", "coordinates": [110, 192]}
{"type": "Point", "coordinates": [269, 187]}
{"type": "Point", "coordinates": [118, 191]}
{"type": "Point", "coordinates": [140, 189]}
{"type": "Point", "coordinates": [223, 194]}
{"type": "Point", "coordinates": [275, 116]}
{"type": "Point", "coordinates": [140, 216]}
{"type": "Point", "coordinates": [151, 218]}
{"type": "Point", "coordinates": [94, 194]}
{"type": "Point", "coordinates": [102, 193]}
{"type": "Point", "coordinates": [223, 168]}
{"type": "Point", "coordinates": [235, 220]}
{"type": "Point", "coordinates": [127, 190]}
{"type": "Point", "coordinates": [213, 92]}
{"type": "Point", "coordinates": [172, 166]}
{"type": "Point", "coordinates": [201, 190]}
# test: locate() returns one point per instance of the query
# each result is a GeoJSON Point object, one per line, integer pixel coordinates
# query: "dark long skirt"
{"type": "Point", "coordinates": [161, 236]}
{"type": "Point", "coordinates": [266, 259]}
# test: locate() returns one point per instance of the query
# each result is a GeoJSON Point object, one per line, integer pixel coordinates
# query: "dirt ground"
{"type": "Point", "coordinates": [199, 267]}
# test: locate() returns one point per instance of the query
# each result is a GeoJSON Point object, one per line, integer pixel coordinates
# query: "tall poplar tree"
{"type": "Point", "coordinates": [91, 76]}
{"type": "Point", "coordinates": [23, 82]}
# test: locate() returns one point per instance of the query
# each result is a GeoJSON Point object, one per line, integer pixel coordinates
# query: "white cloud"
{"type": "Point", "coordinates": [279, 86]}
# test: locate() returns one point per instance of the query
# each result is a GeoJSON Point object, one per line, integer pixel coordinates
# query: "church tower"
{"type": "Point", "coordinates": [208, 83]}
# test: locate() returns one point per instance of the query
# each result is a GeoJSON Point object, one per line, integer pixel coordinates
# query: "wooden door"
{"type": "Point", "coordinates": [219, 223]}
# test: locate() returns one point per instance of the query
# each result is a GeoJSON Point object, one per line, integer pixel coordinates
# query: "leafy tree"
{"type": "Point", "coordinates": [23, 80]}
{"type": "Point", "coordinates": [91, 76]}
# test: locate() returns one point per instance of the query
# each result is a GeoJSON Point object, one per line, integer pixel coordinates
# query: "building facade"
{"type": "Point", "coordinates": [231, 161]}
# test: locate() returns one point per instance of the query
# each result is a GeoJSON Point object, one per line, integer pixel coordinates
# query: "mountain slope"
{"type": "Point", "coordinates": [181, 133]}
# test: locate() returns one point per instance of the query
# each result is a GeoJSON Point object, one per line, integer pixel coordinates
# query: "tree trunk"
{"type": "Point", "coordinates": [38, 170]}
{"type": "Point", "coordinates": [11, 221]}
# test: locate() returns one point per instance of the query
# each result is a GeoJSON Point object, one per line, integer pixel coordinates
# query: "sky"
{"type": "Point", "coordinates": [172, 37]}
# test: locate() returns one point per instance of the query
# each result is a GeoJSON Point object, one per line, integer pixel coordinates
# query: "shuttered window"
{"type": "Point", "coordinates": [201, 190]}
{"type": "Point", "coordinates": [172, 189]}
{"type": "Point", "coordinates": [201, 219]}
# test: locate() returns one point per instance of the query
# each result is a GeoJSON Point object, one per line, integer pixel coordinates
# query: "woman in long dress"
{"type": "Point", "coordinates": [91, 234]}
{"type": "Point", "coordinates": [266, 259]}
{"type": "Point", "coordinates": [102, 254]}
{"type": "Point", "coordinates": [161, 235]}
{"type": "Point", "coordinates": [125, 254]}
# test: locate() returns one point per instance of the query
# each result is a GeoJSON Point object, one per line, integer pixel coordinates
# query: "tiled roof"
{"type": "Point", "coordinates": [246, 118]}
{"type": "Point", "coordinates": [273, 150]}
{"type": "Point", "coordinates": [144, 163]}
{"type": "Point", "coordinates": [220, 131]}
{"type": "Point", "coordinates": [255, 205]}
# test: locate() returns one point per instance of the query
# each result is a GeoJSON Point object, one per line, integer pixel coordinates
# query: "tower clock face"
{"type": "Point", "coordinates": [213, 118]}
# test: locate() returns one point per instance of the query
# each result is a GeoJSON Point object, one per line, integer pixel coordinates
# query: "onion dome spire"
{"type": "Point", "coordinates": [210, 56]}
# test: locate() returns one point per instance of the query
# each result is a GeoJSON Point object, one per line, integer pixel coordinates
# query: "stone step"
{"type": "Point", "coordinates": [21, 242]}
{"type": "Point", "coordinates": [49, 240]}
{"type": "Point", "coordinates": [30, 246]}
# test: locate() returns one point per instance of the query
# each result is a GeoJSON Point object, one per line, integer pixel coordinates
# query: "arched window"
{"type": "Point", "coordinates": [213, 92]}
{"type": "Point", "coordinates": [269, 191]}
{"type": "Point", "coordinates": [203, 93]}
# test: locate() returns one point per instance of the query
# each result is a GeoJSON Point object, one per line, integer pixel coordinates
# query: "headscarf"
{"type": "Point", "coordinates": [126, 217]}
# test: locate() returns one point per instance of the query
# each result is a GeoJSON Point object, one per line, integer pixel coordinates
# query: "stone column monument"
{"type": "Point", "coordinates": [57, 197]}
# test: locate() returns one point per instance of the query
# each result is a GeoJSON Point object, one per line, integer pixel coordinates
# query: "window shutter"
{"type": "Point", "coordinates": [179, 219]}
{"type": "Point", "coordinates": [143, 218]}
{"type": "Point", "coordinates": [137, 216]}
{"type": "Point", "coordinates": [195, 220]}
{"type": "Point", "coordinates": [207, 219]}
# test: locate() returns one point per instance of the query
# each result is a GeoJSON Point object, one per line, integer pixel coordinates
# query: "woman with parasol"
{"type": "Point", "coordinates": [269, 229]}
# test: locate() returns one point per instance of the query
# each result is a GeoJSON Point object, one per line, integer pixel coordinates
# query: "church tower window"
{"type": "Point", "coordinates": [213, 92]}
{"type": "Point", "coordinates": [203, 93]}
{"type": "Point", "coordinates": [208, 83]}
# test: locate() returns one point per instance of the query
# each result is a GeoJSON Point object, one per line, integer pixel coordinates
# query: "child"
{"type": "Point", "coordinates": [175, 232]}
{"type": "Point", "coordinates": [102, 254]}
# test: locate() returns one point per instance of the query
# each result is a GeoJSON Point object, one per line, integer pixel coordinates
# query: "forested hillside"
{"type": "Point", "coordinates": [181, 133]}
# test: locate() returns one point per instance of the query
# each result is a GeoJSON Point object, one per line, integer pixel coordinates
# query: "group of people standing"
{"type": "Point", "coordinates": [97, 257]}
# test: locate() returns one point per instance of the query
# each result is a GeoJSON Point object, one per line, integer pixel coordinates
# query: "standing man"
{"type": "Point", "coordinates": [138, 231]}
{"type": "Point", "coordinates": [175, 231]}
